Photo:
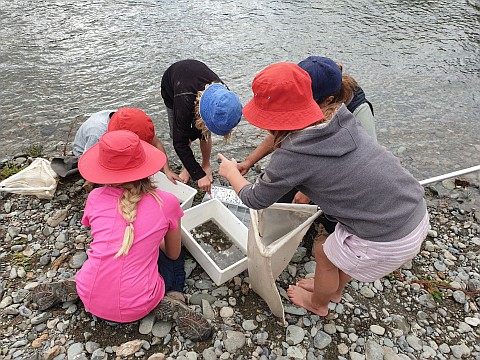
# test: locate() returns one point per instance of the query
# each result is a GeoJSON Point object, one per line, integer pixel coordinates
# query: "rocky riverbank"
{"type": "Point", "coordinates": [429, 309]}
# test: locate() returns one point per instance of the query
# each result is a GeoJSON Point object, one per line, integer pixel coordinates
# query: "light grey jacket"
{"type": "Point", "coordinates": [352, 178]}
{"type": "Point", "coordinates": [91, 131]}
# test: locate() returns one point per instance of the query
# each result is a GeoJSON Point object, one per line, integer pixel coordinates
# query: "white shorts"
{"type": "Point", "coordinates": [368, 261]}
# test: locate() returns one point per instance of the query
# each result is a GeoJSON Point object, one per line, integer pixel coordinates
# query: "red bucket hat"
{"type": "Point", "coordinates": [282, 99]}
{"type": "Point", "coordinates": [134, 120]}
{"type": "Point", "coordinates": [120, 156]}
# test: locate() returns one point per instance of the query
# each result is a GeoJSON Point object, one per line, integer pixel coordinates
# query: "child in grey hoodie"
{"type": "Point", "coordinates": [380, 208]}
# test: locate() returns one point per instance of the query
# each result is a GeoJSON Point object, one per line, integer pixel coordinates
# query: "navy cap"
{"type": "Point", "coordinates": [325, 74]}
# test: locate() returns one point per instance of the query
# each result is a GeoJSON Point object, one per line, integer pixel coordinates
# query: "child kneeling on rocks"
{"type": "Point", "coordinates": [322, 151]}
{"type": "Point", "coordinates": [135, 256]}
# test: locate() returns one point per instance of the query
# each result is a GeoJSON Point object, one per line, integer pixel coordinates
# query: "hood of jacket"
{"type": "Point", "coordinates": [337, 137]}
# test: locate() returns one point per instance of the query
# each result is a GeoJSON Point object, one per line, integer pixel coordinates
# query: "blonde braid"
{"type": "Point", "coordinates": [128, 206]}
{"type": "Point", "coordinates": [132, 194]}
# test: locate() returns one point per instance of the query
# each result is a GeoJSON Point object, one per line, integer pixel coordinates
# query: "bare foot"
{"type": "Point", "coordinates": [303, 298]}
{"type": "Point", "coordinates": [307, 284]}
{"type": "Point", "coordinates": [184, 175]}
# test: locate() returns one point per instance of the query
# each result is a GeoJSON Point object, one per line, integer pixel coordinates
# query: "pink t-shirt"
{"type": "Point", "coordinates": [126, 288]}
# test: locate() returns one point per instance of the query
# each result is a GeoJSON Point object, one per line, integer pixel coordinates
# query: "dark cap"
{"type": "Point", "coordinates": [325, 74]}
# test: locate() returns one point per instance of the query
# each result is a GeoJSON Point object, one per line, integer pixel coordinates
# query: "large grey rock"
{"type": "Point", "coordinates": [235, 340]}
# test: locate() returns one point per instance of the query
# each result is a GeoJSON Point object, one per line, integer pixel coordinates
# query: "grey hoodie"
{"type": "Point", "coordinates": [342, 170]}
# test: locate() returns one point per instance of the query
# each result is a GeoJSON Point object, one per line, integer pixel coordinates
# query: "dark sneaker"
{"type": "Point", "coordinates": [48, 295]}
{"type": "Point", "coordinates": [192, 325]}
{"type": "Point", "coordinates": [166, 309]}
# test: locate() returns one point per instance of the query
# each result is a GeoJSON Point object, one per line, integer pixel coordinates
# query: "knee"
{"type": "Point", "coordinates": [323, 263]}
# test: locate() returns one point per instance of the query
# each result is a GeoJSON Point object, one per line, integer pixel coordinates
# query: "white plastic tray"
{"type": "Point", "coordinates": [237, 232]}
{"type": "Point", "coordinates": [229, 198]}
{"type": "Point", "coordinates": [184, 193]}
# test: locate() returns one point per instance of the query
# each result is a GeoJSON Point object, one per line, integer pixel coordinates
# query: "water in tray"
{"type": "Point", "coordinates": [217, 244]}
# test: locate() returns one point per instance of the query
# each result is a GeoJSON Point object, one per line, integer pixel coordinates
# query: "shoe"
{"type": "Point", "coordinates": [166, 309]}
{"type": "Point", "coordinates": [48, 295]}
{"type": "Point", "coordinates": [191, 325]}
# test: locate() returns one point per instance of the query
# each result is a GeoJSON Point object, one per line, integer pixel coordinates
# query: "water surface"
{"type": "Point", "coordinates": [418, 62]}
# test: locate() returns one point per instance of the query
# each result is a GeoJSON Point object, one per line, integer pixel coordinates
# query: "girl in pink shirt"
{"type": "Point", "coordinates": [131, 221]}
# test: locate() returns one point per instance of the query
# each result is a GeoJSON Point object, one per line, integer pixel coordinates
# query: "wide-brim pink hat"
{"type": "Point", "coordinates": [119, 157]}
{"type": "Point", "coordinates": [282, 99]}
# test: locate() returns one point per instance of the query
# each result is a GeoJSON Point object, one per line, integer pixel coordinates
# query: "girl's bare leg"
{"type": "Point", "coordinates": [343, 280]}
{"type": "Point", "coordinates": [308, 284]}
{"type": "Point", "coordinates": [206, 150]}
{"type": "Point", "coordinates": [326, 283]}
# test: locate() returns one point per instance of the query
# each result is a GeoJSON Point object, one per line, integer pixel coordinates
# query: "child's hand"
{"type": "Point", "coordinates": [205, 184]}
{"type": "Point", "coordinates": [243, 167]}
{"type": "Point", "coordinates": [227, 167]}
{"type": "Point", "coordinates": [300, 198]}
{"type": "Point", "coordinates": [173, 177]}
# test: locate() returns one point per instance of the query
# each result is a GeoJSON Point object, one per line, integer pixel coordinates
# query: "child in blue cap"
{"type": "Point", "coordinates": [198, 103]}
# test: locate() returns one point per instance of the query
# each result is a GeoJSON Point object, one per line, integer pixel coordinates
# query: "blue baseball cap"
{"type": "Point", "coordinates": [325, 74]}
{"type": "Point", "coordinates": [220, 109]}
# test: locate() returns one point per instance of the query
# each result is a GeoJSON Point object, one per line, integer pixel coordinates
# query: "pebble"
{"type": "Point", "coordinates": [146, 324]}
{"type": "Point", "coordinates": [226, 312]}
{"type": "Point", "coordinates": [378, 330]}
{"type": "Point", "coordinates": [322, 340]}
{"type": "Point", "coordinates": [367, 292]}
{"type": "Point", "coordinates": [460, 297]}
{"type": "Point", "coordinates": [249, 325]}
{"type": "Point", "coordinates": [472, 321]}
{"type": "Point", "coordinates": [196, 299]}
{"type": "Point", "coordinates": [161, 329]}
{"type": "Point", "coordinates": [234, 340]}
{"type": "Point", "coordinates": [207, 310]}
{"type": "Point", "coordinates": [294, 335]}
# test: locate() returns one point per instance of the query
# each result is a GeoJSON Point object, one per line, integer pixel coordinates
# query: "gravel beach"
{"type": "Point", "coordinates": [428, 309]}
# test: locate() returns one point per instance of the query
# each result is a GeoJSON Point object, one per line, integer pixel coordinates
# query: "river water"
{"type": "Point", "coordinates": [418, 62]}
